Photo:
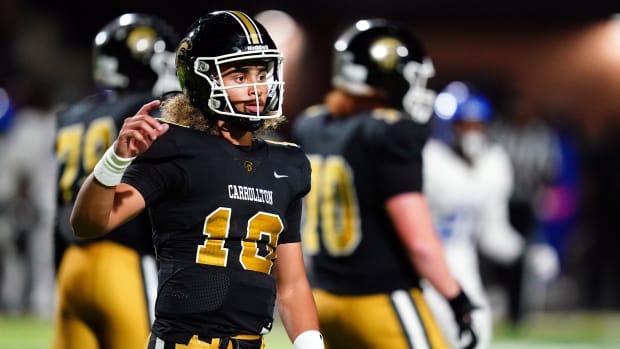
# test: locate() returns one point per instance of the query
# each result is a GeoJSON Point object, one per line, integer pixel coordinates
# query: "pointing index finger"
{"type": "Point", "coordinates": [146, 109]}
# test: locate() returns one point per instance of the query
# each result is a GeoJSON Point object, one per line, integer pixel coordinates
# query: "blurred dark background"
{"type": "Point", "coordinates": [551, 61]}
{"type": "Point", "coordinates": [542, 49]}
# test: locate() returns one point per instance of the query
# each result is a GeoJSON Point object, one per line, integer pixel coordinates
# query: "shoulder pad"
{"type": "Point", "coordinates": [388, 115]}
{"type": "Point", "coordinates": [310, 119]}
{"type": "Point", "coordinates": [315, 110]}
{"type": "Point", "coordinates": [166, 146]}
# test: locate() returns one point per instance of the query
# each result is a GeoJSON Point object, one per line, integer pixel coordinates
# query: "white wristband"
{"type": "Point", "coordinates": [110, 168]}
{"type": "Point", "coordinates": [311, 339]}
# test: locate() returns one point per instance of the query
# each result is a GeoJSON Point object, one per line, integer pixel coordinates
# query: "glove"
{"type": "Point", "coordinates": [461, 308]}
{"type": "Point", "coordinates": [543, 261]}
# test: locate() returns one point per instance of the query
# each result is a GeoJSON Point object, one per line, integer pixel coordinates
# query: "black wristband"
{"type": "Point", "coordinates": [460, 300]}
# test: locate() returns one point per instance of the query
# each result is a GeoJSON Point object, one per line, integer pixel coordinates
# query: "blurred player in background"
{"type": "Point", "coordinates": [225, 205]}
{"type": "Point", "coordinates": [107, 286]}
{"type": "Point", "coordinates": [468, 181]}
{"type": "Point", "coordinates": [366, 222]}
{"type": "Point", "coordinates": [27, 174]}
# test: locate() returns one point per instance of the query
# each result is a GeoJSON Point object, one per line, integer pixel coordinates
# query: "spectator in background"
{"type": "Point", "coordinates": [107, 286]}
{"type": "Point", "coordinates": [534, 150]}
{"type": "Point", "coordinates": [366, 222]}
{"type": "Point", "coordinates": [27, 174]}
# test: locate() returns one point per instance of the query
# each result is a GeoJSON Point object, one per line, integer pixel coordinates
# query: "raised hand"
{"type": "Point", "coordinates": [139, 132]}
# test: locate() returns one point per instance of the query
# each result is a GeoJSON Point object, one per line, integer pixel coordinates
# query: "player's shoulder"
{"type": "Point", "coordinates": [388, 118]}
{"type": "Point", "coordinates": [312, 115]}
{"type": "Point", "coordinates": [313, 111]}
{"type": "Point", "coordinates": [80, 111]}
{"type": "Point", "coordinates": [498, 160]}
{"type": "Point", "coordinates": [393, 125]}
{"type": "Point", "coordinates": [288, 151]}
{"type": "Point", "coordinates": [434, 147]}
{"type": "Point", "coordinates": [103, 104]}
{"type": "Point", "coordinates": [497, 149]}
{"type": "Point", "coordinates": [178, 141]}
{"type": "Point", "coordinates": [498, 154]}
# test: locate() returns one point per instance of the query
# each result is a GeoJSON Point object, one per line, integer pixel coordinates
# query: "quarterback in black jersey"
{"type": "Point", "coordinates": [225, 205]}
{"type": "Point", "coordinates": [106, 286]}
{"type": "Point", "coordinates": [366, 223]}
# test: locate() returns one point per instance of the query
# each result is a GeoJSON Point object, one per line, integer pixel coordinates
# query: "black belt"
{"type": "Point", "coordinates": [214, 343]}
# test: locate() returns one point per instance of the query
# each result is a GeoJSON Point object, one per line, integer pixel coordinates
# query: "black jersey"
{"type": "Point", "coordinates": [85, 130]}
{"type": "Point", "coordinates": [358, 163]}
{"type": "Point", "coordinates": [218, 212]}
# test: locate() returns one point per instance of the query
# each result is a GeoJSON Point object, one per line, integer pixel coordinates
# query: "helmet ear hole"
{"type": "Point", "coordinates": [215, 103]}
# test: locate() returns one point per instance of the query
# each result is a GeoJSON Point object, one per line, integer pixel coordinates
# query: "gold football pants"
{"type": "Point", "coordinates": [105, 297]}
{"type": "Point", "coordinates": [399, 320]}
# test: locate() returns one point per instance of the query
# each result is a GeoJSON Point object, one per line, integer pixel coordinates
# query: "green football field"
{"type": "Point", "coordinates": [545, 331]}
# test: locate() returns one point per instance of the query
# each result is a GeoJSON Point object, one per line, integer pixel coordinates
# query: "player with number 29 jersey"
{"type": "Point", "coordinates": [107, 285]}
{"type": "Point", "coordinates": [123, 257]}
{"type": "Point", "coordinates": [85, 130]}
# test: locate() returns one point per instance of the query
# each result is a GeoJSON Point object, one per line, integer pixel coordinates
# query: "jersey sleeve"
{"type": "Point", "coordinates": [304, 169]}
{"type": "Point", "coordinates": [155, 172]}
{"type": "Point", "coordinates": [297, 159]}
{"type": "Point", "coordinates": [293, 219]}
{"type": "Point", "coordinates": [397, 151]}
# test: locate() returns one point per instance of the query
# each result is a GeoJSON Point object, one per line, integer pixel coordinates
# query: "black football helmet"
{"type": "Point", "coordinates": [225, 37]}
{"type": "Point", "coordinates": [375, 55]}
{"type": "Point", "coordinates": [135, 52]}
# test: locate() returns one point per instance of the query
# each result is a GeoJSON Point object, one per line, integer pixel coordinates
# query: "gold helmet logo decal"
{"type": "Point", "coordinates": [386, 52]}
{"type": "Point", "coordinates": [140, 41]}
{"type": "Point", "coordinates": [184, 46]}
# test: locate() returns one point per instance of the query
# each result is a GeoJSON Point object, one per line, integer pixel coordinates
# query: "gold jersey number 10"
{"type": "Point", "coordinates": [332, 204]}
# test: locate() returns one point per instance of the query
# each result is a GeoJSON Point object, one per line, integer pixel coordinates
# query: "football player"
{"type": "Point", "coordinates": [107, 285]}
{"type": "Point", "coordinates": [467, 182]}
{"type": "Point", "coordinates": [225, 205]}
{"type": "Point", "coordinates": [366, 222]}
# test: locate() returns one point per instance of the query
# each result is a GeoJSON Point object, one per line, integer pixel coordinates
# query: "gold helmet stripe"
{"type": "Point", "coordinates": [249, 27]}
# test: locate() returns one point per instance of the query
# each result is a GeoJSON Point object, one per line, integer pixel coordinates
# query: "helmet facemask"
{"type": "Point", "coordinates": [419, 100]}
{"type": "Point", "coordinates": [267, 93]}
{"type": "Point", "coordinates": [163, 64]}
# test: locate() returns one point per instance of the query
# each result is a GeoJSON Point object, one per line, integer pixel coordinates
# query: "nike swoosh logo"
{"type": "Point", "coordinates": [275, 174]}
